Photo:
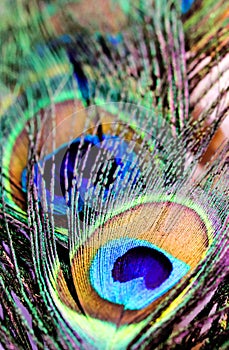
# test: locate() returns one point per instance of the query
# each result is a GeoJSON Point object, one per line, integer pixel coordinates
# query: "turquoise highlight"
{"type": "Point", "coordinates": [133, 294]}
{"type": "Point", "coordinates": [186, 5]}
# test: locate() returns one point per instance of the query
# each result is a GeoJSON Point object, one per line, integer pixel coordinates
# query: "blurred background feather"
{"type": "Point", "coordinates": [114, 174]}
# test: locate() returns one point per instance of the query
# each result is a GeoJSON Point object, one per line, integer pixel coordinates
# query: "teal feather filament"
{"type": "Point", "coordinates": [109, 239]}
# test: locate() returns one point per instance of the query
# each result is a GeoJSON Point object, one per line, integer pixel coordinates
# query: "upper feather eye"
{"type": "Point", "coordinates": [104, 156]}
{"type": "Point", "coordinates": [85, 162]}
{"type": "Point", "coordinates": [87, 171]}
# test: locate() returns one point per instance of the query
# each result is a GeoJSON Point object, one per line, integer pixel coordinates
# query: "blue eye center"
{"type": "Point", "coordinates": [186, 5]}
{"type": "Point", "coordinates": [134, 272]}
{"type": "Point", "coordinates": [144, 262]}
{"type": "Point", "coordinates": [96, 162]}
{"type": "Point", "coordinates": [91, 150]}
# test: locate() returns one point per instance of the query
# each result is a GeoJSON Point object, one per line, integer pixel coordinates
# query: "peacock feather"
{"type": "Point", "coordinates": [114, 188]}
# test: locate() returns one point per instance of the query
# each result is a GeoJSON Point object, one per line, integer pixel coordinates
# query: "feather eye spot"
{"type": "Point", "coordinates": [96, 154]}
{"type": "Point", "coordinates": [144, 262]}
{"type": "Point", "coordinates": [85, 172]}
{"type": "Point", "coordinates": [134, 273]}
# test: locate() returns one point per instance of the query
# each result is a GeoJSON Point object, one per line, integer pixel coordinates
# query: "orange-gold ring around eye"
{"type": "Point", "coordinates": [176, 228]}
{"type": "Point", "coordinates": [69, 122]}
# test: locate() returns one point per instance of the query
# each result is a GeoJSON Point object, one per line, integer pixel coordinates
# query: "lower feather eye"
{"type": "Point", "coordinates": [134, 259]}
{"type": "Point", "coordinates": [134, 273]}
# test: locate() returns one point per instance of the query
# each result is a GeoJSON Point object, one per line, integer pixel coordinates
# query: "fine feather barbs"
{"type": "Point", "coordinates": [114, 175]}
